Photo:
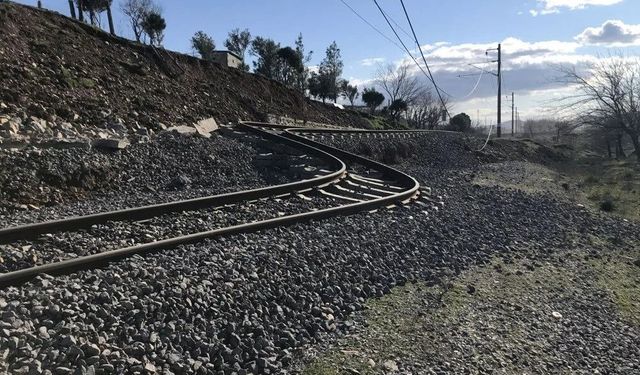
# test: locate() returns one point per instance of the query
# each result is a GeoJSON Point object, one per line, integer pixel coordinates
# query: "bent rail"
{"type": "Point", "coordinates": [32, 231]}
{"type": "Point", "coordinates": [66, 266]}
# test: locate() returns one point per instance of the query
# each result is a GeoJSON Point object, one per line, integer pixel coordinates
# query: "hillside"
{"type": "Point", "coordinates": [82, 81]}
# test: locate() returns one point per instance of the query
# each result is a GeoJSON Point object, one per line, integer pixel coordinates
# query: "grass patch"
{"type": "Point", "coordinates": [611, 186]}
{"type": "Point", "coordinates": [620, 277]}
{"type": "Point", "coordinates": [607, 186]}
{"type": "Point", "coordinates": [377, 122]}
{"type": "Point", "coordinates": [500, 316]}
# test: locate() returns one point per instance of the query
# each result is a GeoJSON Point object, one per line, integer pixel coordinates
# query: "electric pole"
{"type": "Point", "coordinates": [513, 113]}
{"type": "Point", "coordinates": [499, 90]}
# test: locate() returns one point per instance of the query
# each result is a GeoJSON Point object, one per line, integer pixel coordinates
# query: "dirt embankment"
{"type": "Point", "coordinates": [81, 80]}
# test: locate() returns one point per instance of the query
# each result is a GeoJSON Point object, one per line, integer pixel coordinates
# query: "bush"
{"type": "Point", "coordinates": [460, 123]}
{"type": "Point", "coordinates": [607, 205]}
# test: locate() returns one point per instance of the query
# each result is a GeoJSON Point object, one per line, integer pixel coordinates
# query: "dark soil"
{"type": "Point", "coordinates": [60, 70]}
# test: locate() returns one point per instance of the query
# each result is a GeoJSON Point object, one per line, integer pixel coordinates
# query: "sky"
{"type": "Point", "coordinates": [537, 37]}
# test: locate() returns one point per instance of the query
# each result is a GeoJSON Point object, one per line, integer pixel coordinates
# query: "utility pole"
{"type": "Point", "coordinates": [499, 90]}
{"type": "Point", "coordinates": [513, 113]}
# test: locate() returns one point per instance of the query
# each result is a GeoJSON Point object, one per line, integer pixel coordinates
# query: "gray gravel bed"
{"type": "Point", "coordinates": [119, 234]}
{"type": "Point", "coordinates": [254, 303]}
{"type": "Point", "coordinates": [46, 184]}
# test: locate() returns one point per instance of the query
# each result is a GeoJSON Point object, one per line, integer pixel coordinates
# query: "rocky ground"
{"type": "Point", "coordinates": [264, 302]}
{"type": "Point", "coordinates": [173, 166]}
{"type": "Point", "coordinates": [65, 80]}
{"type": "Point", "coordinates": [561, 315]}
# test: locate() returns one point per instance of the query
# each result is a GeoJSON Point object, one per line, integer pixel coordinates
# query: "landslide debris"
{"type": "Point", "coordinates": [64, 79]}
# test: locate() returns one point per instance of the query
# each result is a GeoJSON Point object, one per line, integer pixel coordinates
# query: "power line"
{"type": "Point", "coordinates": [398, 25]}
{"type": "Point", "coordinates": [371, 25]}
{"type": "Point", "coordinates": [405, 47]}
{"type": "Point", "coordinates": [423, 58]}
{"type": "Point", "coordinates": [476, 86]}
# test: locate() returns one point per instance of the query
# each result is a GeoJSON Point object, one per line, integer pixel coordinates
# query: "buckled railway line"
{"type": "Point", "coordinates": [356, 183]}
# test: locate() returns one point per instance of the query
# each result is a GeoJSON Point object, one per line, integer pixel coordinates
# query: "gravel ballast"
{"type": "Point", "coordinates": [253, 303]}
{"type": "Point", "coordinates": [45, 184]}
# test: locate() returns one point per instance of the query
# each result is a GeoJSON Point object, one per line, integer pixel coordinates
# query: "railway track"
{"type": "Point", "coordinates": [345, 184]}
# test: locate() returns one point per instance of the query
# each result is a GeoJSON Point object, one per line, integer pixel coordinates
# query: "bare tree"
{"type": "Point", "coordinates": [399, 83]}
{"type": "Point", "coordinates": [136, 11]}
{"type": "Point", "coordinates": [608, 96]}
{"type": "Point", "coordinates": [425, 112]}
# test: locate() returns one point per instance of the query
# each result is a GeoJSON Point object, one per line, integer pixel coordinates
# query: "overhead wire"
{"type": "Point", "coordinates": [415, 38]}
{"type": "Point", "coordinates": [474, 87]}
{"type": "Point", "coordinates": [482, 72]}
{"type": "Point", "coordinates": [429, 77]}
{"type": "Point", "coordinates": [405, 32]}
{"type": "Point", "coordinates": [371, 25]}
{"type": "Point", "coordinates": [404, 48]}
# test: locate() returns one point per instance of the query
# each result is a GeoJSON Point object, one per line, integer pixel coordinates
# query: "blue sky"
{"type": "Point", "coordinates": [536, 34]}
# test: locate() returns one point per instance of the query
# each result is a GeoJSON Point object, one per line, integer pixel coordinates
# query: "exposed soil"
{"type": "Point", "coordinates": [81, 79]}
{"type": "Point", "coordinates": [171, 166]}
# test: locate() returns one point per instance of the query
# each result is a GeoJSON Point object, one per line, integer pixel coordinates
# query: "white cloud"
{"type": "Point", "coordinates": [611, 33]}
{"type": "Point", "coordinates": [554, 6]}
{"type": "Point", "coordinates": [372, 61]}
{"type": "Point", "coordinates": [515, 52]}
{"type": "Point", "coordinates": [529, 70]}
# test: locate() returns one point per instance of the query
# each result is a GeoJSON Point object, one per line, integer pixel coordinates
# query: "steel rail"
{"type": "Point", "coordinates": [91, 261]}
{"type": "Point", "coordinates": [32, 231]}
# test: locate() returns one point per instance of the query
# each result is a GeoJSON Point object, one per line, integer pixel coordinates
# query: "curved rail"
{"type": "Point", "coordinates": [32, 231]}
{"type": "Point", "coordinates": [410, 185]}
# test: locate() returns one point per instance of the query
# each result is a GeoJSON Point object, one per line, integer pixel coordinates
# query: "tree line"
{"type": "Point", "coordinates": [145, 17]}
{"type": "Point", "coordinates": [607, 102]}
{"type": "Point", "coordinates": [408, 98]}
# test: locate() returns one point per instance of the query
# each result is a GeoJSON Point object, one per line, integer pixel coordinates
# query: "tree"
{"type": "Point", "coordinates": [399, 83]}
{"type": "Point", "coordinates": [349, 92]}
{"type": "Point", "coordinates": [608, 96]}
{"type": "Point", "coordinates": [203, 44]}
{"type": "Point", "coordinates": [289, 66]}
{"type": "Point", "coordinates": [372, 99]}
{"type": "Point", "coordinates": [136, 11]}
{"type": "Point", "coordinates": [154, 25]}
{"type": "Point", "coordinates": [331, 69]}
{"type": "Point", "coordinates": [94, 8]}
{"type": "Point", "coordinates": [396, 108]}
{"type": "Point", "coordinates": [238, 42]}
{"type": "Point", "coordinates": [460, 122]}
{"type": "Point", "coordinates": [320, 86]}
{"type": "Point", "coordinates": [266, 50]}
{"type": "Point", "coordinates": [303, 75]}
{"type": "Point", "coordinates": [425, 112]}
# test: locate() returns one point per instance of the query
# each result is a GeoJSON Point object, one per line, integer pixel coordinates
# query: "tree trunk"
{"type": "Point", "coordinates": [72, 9]}
{"type": "Point", "coordinates": [92, 17]}
{"type": "Point", "coordinates": [304, 107]}
{"type": "Point", "coordinates": [110, 18]}
{"type": "Point", "coordinates": [635, 139]}
{"type": "Point", "coordinates": [80, 11]}
{"type": "Point", "coordinates": [619, 149]}
{"type": "Point", "coordinates": [609, 149]}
